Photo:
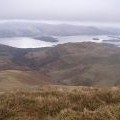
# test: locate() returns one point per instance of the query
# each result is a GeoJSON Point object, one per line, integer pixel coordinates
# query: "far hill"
{"type": "Point", "coordinates": [80, 64]}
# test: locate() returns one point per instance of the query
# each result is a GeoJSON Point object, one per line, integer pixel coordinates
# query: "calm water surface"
{"type": "Point", "coordinates": [25, 42]}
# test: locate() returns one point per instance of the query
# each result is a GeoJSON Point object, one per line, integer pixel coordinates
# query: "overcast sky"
{"type": "Point", "coordinates": [104, 11]}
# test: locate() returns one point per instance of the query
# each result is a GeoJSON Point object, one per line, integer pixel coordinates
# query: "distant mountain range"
{"type": "Point", "coordinates": [33, 29]}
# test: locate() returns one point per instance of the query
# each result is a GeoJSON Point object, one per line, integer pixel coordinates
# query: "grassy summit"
{"type": "Point", "coordinates": [61, 103]}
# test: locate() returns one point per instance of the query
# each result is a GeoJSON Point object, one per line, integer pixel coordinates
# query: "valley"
{"type": "Point", "coordinates": [78, 64]}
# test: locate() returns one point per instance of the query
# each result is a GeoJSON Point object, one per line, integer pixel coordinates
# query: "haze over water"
{"type": "Point", "coordinates": [27, 42]}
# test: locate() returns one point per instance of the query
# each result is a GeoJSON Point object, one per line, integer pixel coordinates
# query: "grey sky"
{"type": "Point", "coordinates": [65, 10]}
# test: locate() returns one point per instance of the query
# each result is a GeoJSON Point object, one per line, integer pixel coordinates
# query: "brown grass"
{"type": "Point", "coordinates": [61, 103]}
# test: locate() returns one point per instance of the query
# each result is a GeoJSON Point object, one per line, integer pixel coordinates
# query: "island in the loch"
{"type": "Point", "coordinates": [96, 39]}
{"type": "Point", "coordinates": [46, 38]}
{"type": "Point", "coordinates": [112, 40]}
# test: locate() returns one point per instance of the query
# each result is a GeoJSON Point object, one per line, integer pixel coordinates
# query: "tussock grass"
{"type": "Point", "coordinates": [61, 103]}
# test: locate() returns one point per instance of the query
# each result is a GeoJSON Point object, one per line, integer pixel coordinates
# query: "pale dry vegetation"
{"type": "Point", "coordinates": [61, 103]}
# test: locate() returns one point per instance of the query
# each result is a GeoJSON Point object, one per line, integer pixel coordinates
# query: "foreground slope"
{"type": "Point", "coordinates": [11, 79]}
{"type": "Point", "coordinates": [61, 103]}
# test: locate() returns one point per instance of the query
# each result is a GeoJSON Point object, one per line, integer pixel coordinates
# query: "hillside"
{"type": "Point", "coordinates": [84, 64]}
{"type": "Point", "coordinates": [61, 103]}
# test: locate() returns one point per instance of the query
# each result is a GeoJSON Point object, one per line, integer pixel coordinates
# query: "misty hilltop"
{"type": "Point", "coordinates": [37, 29]}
